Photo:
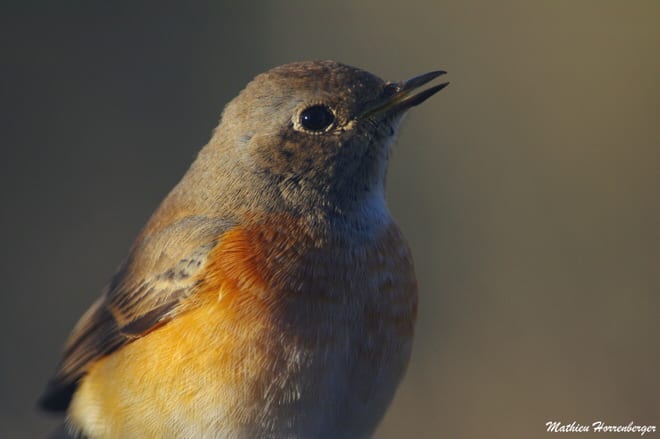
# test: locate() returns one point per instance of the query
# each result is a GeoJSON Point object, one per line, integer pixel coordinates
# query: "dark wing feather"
{"type": "Point", "coordinates": [161, 269]}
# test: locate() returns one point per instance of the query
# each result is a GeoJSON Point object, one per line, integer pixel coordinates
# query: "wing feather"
{"type": "Point", "coordinates": [162, 269]}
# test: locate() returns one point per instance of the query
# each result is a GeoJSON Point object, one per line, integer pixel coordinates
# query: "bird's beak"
{"type": "Point", "coordinates": [398, 96]}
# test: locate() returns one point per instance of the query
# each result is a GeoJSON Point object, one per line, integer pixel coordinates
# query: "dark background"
{"type": "Point", "coordinates": [528, 188]}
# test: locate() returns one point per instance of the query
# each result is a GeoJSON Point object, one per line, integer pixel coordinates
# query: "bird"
{"type": "Point", "coordinates": [271, 294]}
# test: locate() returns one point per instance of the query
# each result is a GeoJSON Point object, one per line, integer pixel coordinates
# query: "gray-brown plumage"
{"type": "Point", "coordinates": [271, 294]}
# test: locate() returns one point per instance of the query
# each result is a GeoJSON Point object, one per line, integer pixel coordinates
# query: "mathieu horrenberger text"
{"type": "Point", "coordinates": [598, 427]}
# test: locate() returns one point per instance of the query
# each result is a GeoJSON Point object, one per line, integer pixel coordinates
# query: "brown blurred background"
{"type": "Point", "coordinates": [528, 189]}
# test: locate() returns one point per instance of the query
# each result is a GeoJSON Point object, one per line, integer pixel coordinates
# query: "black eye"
{"type": "Point", "coordinates": [316, 118]}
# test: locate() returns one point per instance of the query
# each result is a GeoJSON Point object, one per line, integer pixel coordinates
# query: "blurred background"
{"type": "Point", "coordinates": [528, 188]}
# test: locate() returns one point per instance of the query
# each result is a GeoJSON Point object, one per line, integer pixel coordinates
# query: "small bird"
{"type": "Point", "coordinates": [270, 295]}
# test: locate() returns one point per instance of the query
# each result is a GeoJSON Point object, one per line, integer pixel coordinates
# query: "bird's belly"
{"type": "Point", "coordinates": [205, 375]}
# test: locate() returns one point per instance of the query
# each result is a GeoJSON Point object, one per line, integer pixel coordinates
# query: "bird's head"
{"type": "Point", "coordinates": [314, 136]}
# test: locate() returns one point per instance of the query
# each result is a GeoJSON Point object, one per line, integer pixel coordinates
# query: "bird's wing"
{"type": "Point", "coordinates": [162, 269]}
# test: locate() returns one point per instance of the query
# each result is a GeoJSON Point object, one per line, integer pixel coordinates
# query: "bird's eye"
{"type": "Point", "coordinates": [316, 118]}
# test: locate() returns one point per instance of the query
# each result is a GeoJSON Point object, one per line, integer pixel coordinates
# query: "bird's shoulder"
{"type": "Point", "coordinates": [162, 269]}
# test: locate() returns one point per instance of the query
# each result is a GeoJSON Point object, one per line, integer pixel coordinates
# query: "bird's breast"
{"type": "Point", "coordinates": [288, 335]}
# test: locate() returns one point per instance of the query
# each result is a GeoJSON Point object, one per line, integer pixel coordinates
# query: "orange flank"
{"type": "Point", "coordinates": [206, 351]}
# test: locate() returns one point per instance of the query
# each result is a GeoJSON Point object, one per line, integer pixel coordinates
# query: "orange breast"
{"type": "Point", "coordinates": [279, 321]}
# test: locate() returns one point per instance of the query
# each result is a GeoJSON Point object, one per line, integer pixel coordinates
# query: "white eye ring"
{"type": "Point", "coordinates": [315, 119]}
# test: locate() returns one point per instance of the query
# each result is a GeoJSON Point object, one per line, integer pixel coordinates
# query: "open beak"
{"type": "Point", "coordinates": [398, 96]}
